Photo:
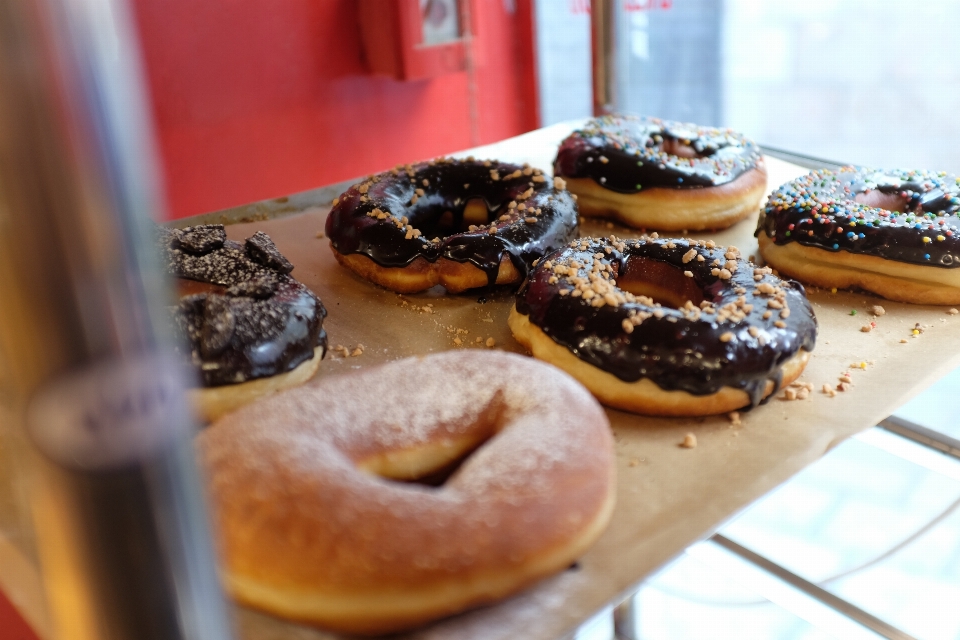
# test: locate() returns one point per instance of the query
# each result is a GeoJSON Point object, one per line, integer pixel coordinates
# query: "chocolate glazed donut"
{"type": "Point", "coordinates": [250, 328]}
{"type": "Point", "coordinates": [598, 309]}
{"type": "Point", "coordinates": [657, 174]}
{"type": "Point", "coordinates": [410, 228]}
{"type": "Point", "coordinates": [893, 233]}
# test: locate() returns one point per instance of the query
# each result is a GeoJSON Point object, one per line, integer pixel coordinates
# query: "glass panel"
{"type": "Point", "coordinates": [563, 59]}
{"type": "Point", "coordinates": [668, 59]}
{"type": "Point", "coordinates": [692, 598]}
{"type": "Point", "coordinates": [870, 82]}
{"type": "Point", "coordinates": [937, 407]}
{"type": "Point", "coordinates": [862, 81]}
{"type": "Point", "coordinates": [879, 529]}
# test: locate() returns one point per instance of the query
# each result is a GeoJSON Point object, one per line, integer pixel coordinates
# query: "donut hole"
{"type": "Point", "coordinates": [475, 212]}
{"type": "Point", "coordinates": [881, 200]}
{"type": "Point", "coordinates": [661, 281]}
{"type": "Point", "coordinates": [679, 148]}
{"type": "Point", "coordinates": [448, 223]}
{"type": "Point", "coordinates": [434, 462]}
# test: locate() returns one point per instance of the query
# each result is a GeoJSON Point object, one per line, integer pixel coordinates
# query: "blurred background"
{"type": "Point", "coordinates": [253, 104]}
{"type": "Point", "coordinates": [873, 82]}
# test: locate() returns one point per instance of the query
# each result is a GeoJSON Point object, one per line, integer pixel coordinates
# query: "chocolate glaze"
{"type": "Point", "coordinates": [686, 349]}
{"type": "Point", "coordinates": [821, 210]}
{"type": "Point", "coordinates": [627, 154]}
{"type": "Point", "coordinates": [256, 321]}
{"type": "Point", "coordinates": [397, 216]}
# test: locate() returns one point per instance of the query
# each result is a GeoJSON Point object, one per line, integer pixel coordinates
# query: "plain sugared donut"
{"type": "Point", "coordinates": [665, 326]}
{"type": "Point", "coordinates": [459, 223]}
{"type": "Point", "coordinates": [316, 523]}
{"type": "Point", "coordinates": [656, 174]}
{"type": "Point", "coordinates": [894, 233]}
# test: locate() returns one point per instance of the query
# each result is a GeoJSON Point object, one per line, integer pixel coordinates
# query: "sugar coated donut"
{"type": "Point", "coordinates": [665, 327]}
{"type": "Point", "coordinates": [460, 223]}
{"type": "Point", "coordinates": [248, 328]}
{"type": "Point", "coordinates": [655, 174]}
{"type": "Point", "coordinates": [893, 233]}
{"type": "Point", "coordinates": [320, 519]}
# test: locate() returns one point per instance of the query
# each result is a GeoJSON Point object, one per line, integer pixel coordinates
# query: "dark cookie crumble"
{"type": "Point", "coordinates": [260, 321]}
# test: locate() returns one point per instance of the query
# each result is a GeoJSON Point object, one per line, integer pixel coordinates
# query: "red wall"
{"type": "Point", "coordinates": [255, 100]}
{"type": "Point", "coordinates": [12, 625]}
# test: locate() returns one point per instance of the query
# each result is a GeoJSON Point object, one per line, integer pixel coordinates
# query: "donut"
{"type": "Point", "coordinates": [893, 233]}
{"type": "Point", "coordinates": [459, 223]}
{"type": "Point", "coordinates": [378, 501]}
{"type": "Point", "coordinates": [665, 327]}
{"type": "Point", "coordinates": [245, 326]}
{"type": "Point", "coordinates": [656, 174]}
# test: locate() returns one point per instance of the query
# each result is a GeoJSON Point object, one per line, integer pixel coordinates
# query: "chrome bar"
{"type": "Point", "coordinates": [836, 603]}
{"type": "Point", "coordinates": [604, 53]}
{"type": "Point", "coordinates": [808, 162]}
{"type": "Point", "coordinates": [922, 435]}
{"type": "Point", "coordinates": [625, 620]}
{"type": "Point", "coordinates": [116, 499]}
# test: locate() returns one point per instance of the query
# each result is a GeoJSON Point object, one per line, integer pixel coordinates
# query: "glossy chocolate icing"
{"type": "Point", "coordinates": [397, 216]}
{"type": "Point", "coordinates": [627, 154]}
{"type": "Point", "coordinates": [255, 321]}
{"type": "Point", "coordinates": [822, 210]}
{"type": "Point", "coordinates": [725, 341]}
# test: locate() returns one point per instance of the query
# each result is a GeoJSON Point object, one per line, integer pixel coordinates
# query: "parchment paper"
{"type": "Point", "coordinates": [668, 497]}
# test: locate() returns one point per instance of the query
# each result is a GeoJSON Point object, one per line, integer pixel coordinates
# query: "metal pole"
{"type": "Point", "coordinates": [625, 619]}
{"type": "Point", "coordinates": [604, 56]}
{"type": "Point", "coordinates": [120, 523]}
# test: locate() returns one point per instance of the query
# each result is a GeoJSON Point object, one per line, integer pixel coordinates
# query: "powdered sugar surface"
{"type": "Point", "coordinates": [404, 404]}
{"type": "Point", "coordinates": [284, 471]}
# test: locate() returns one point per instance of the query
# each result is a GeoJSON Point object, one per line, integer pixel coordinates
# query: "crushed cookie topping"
{"type": "Point", "coordinates": [253, 306]}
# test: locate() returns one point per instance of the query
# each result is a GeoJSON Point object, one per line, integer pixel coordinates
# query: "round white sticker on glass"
{"type": "Point", "coordinates": [110, 413]}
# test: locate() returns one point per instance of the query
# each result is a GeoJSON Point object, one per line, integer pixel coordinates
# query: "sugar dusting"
{"type": "Point", "coordinates": [390, 408]}
{"type": "Point", "coordinates": [535, 483]}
